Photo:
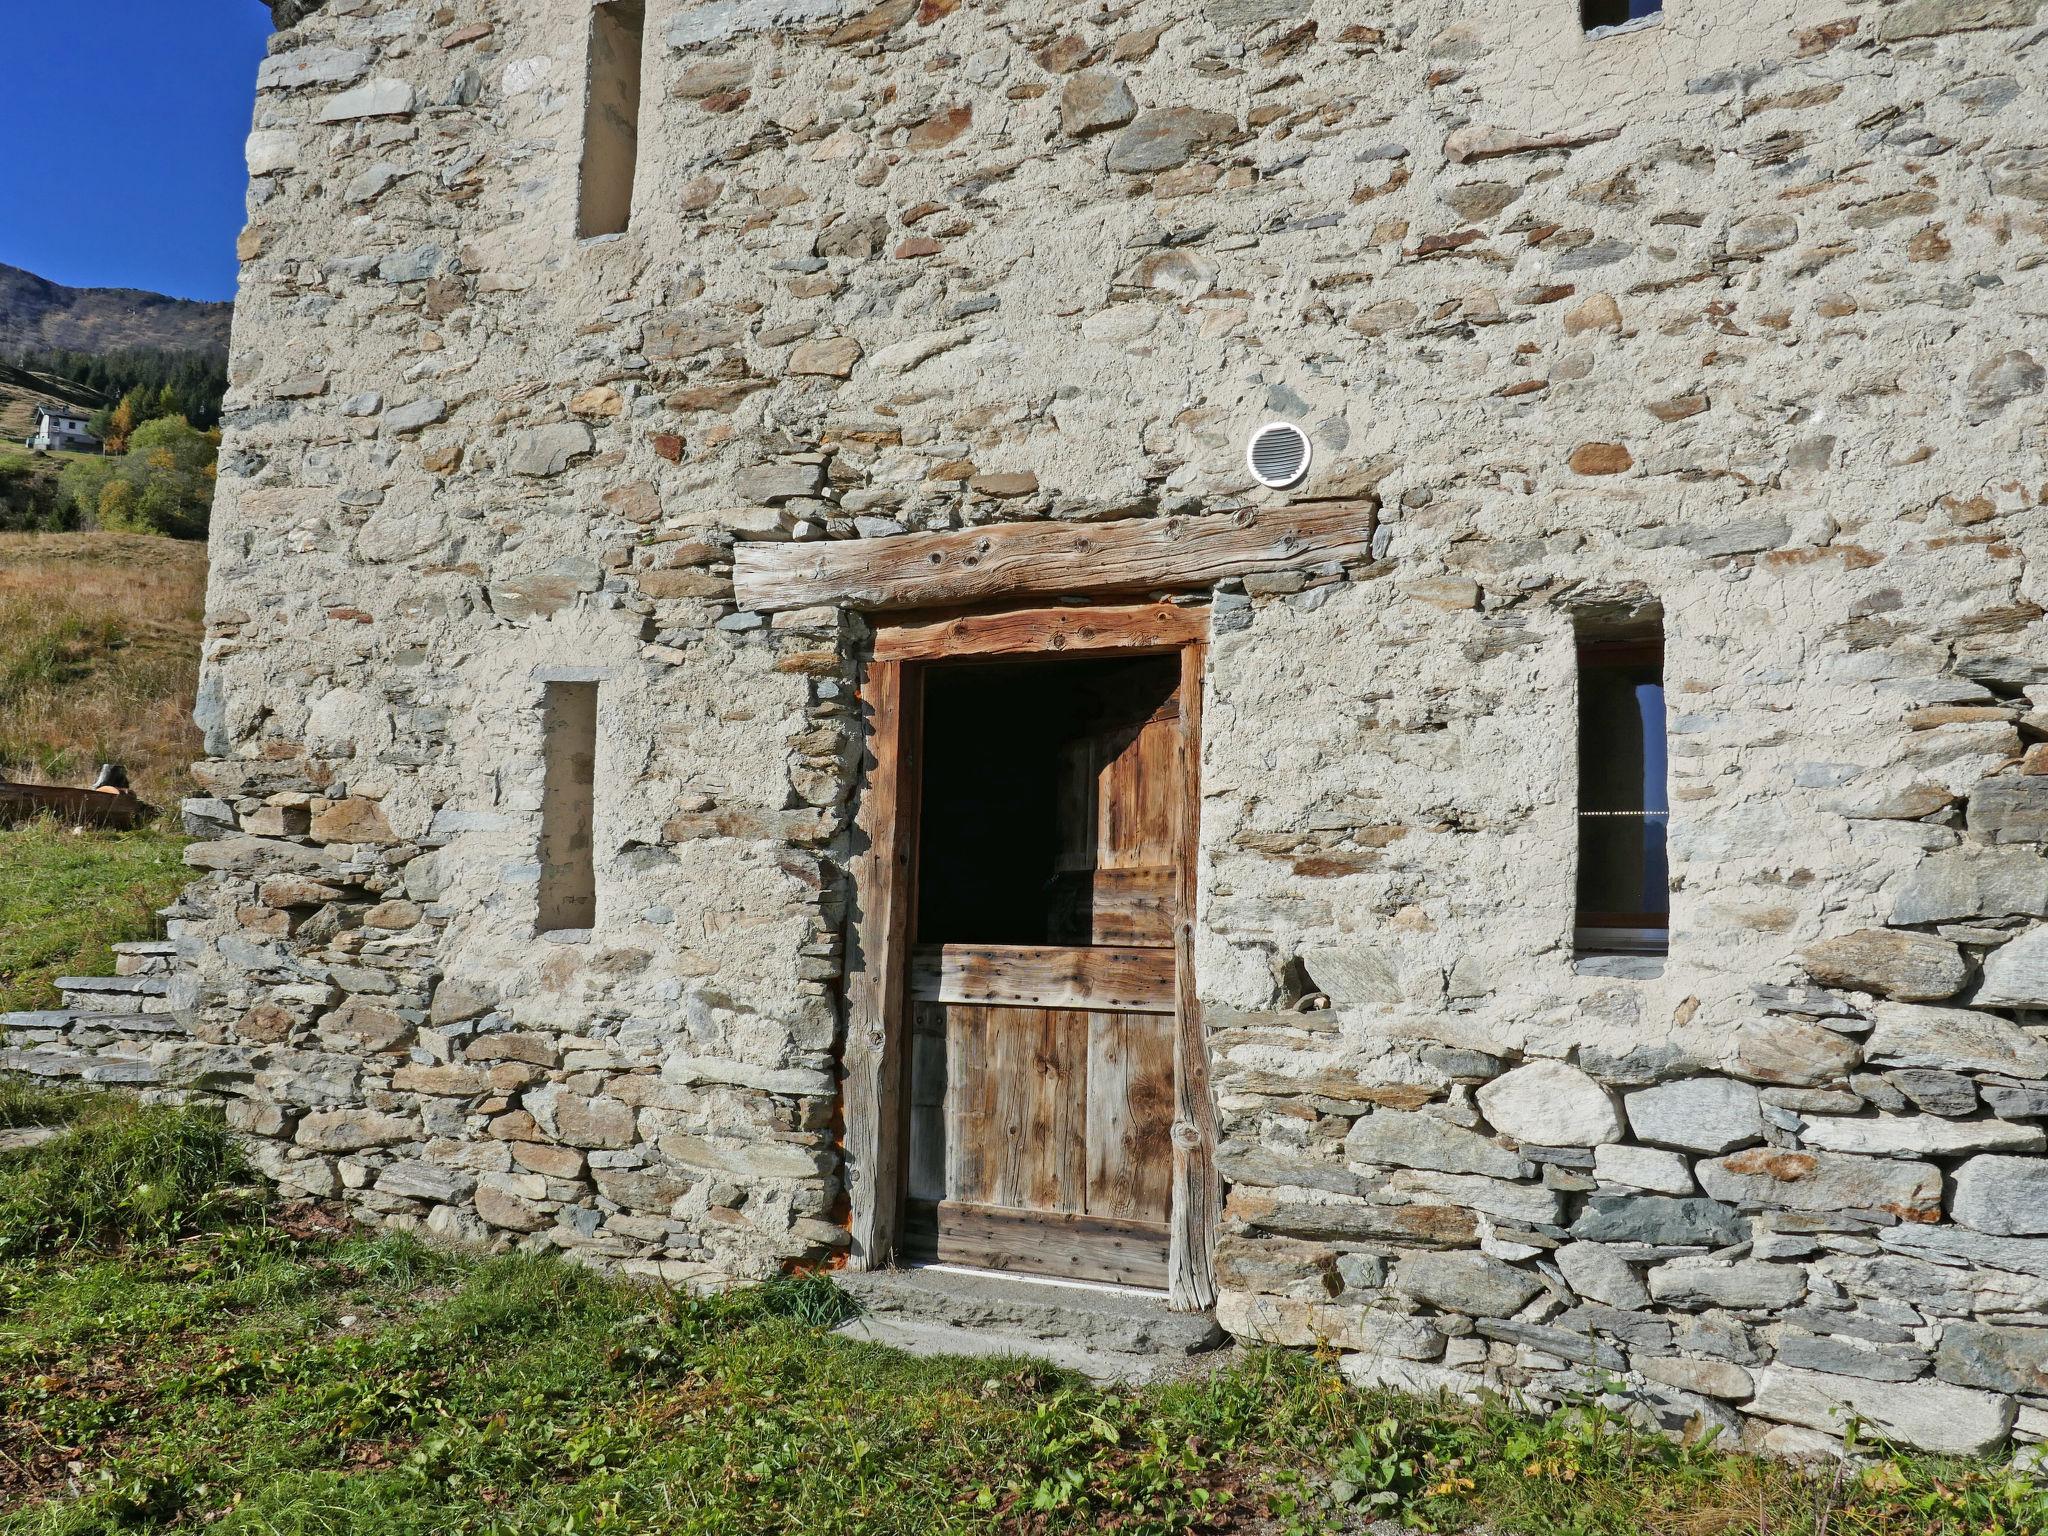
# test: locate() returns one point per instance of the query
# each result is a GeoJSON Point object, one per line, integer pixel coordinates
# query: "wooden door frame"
{"type": "Point", "coordinates": [877, 1063]}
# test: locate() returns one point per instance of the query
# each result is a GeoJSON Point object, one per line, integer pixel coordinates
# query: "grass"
{"type": "Point", "coordinates": [187, 1363]}
{"type": "Point", "coordinates": [99, 658]}
{"type": "Point", "coordinates": [67, 897]}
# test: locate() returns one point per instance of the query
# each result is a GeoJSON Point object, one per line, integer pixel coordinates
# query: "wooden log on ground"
{"type": "Point", "coordinates": [117, 810]}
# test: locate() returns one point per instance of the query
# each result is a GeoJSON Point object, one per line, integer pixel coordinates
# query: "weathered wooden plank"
{"type": "Point", "coordinates": [1027, 631]}
{"type": "Point", "coordinates": [1035, 1136]}
{"type": "Point", "coordinates": [1015, 560]}
{"type": "Point", "coordinates": [1196, 1213]}
{"type": "Point", "coordinates": [876, 1096]}
{"type": "Point", "coordinates": [1040, 976]}
{"type": "Point", "coordinates": [1130, 1116]}
{"type": "Point", "coordinates": [1041, 1243]}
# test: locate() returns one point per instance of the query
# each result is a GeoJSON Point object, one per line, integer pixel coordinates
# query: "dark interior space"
{"type": "Point", "coordinates": [1012, 821]}
{"type": "Point", "coordinates": [1612, 13]}
{"type": "Point", "coordinates": [1624, 874]}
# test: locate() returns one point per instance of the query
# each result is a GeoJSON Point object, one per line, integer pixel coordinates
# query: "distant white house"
{"type": "Point", "coordinates": [61, 428]}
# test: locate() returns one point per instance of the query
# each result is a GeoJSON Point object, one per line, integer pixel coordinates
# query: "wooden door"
{"type": "Point", "coordinates": [1026, 1076]}
{"type": "Point", "coordinates": [1042, 1069]}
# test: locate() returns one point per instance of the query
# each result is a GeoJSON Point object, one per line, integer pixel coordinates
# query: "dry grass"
{"type": "Point", "coordinates": [99, 658]}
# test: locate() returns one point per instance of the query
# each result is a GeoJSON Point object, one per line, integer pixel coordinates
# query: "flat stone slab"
{"type": "Point", "coordinates": [20, 1138]}
{"type": "Point", "coordinates": [939, 1339]}
{"type": "Point", "coordinates": [1016, 1312]}
{"type": "Point", "coordinates": [128, 986]}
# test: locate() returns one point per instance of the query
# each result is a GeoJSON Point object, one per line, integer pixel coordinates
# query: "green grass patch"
{"type": "Point", "coordinates": [256, 1379]}
{"type": "Point", "coordinates": [67, 897]}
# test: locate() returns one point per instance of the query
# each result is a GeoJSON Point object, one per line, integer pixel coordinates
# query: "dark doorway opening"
{"type": "Point", "coordinates": [1044, 815]}
{"type": "Point", "coordinates": [1594, 14]}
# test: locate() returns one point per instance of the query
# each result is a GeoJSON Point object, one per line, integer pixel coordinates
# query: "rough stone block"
{"type": "Point", "coordinates": [1551, 1104]}
{"type": "Point", "coordinates": [1913, 967]}
{"type": "Point", "coordinates": [1933, 1416]}
{"type": "Point", "coordinates": [1824, 1182]}
{"type": "Point", "coordinates": [1700, 1114]}
{"type": "Point", "coordinates": [1465, 1282]}
{"type": "Point", "coordinates": [2003, 1196]}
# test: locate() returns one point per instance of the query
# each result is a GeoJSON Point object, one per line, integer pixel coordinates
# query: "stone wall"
{"type": "Point", "coordinates": [1737, 314]}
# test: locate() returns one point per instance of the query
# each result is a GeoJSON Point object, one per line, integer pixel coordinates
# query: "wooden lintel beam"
{"type": "Point", "coordinates": [1006, 560]}
{"type": "Point", "coordinates": [1036, 631]}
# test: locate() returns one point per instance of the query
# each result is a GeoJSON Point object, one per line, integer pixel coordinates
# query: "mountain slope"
{"type": "Point", "coordinates": [36, 313]}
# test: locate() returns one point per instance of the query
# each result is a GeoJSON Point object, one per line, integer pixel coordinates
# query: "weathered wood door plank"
{"type": "Point", "coordinates": [1013, 560]}
{"type": "Point", "coordinates": [876, 1093]}
{"type": "Point", "coordinates": [1041, 976]}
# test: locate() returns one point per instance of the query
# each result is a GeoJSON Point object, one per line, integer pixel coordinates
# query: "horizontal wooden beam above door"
{"type": "Point", "coordinates": [1046, 559]}
{"type": "Point", "coordinates": [1037, 631]}
{"type": "Point", "coordinates": [1025, 976]}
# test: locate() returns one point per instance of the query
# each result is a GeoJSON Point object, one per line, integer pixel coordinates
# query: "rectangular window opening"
{"type": "Point", "coordinates": [568, 873]}
{"type": "Point", "coordinates": [1598, 15]}
{"type": "Point", "coordinates": [1624, 881]}
{"type": "Point", "coordinates": [611, 117]}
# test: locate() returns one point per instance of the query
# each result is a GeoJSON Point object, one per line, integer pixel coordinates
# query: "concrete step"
{"type": "Point", "coordinates": [1020, 1316]}
{"type": "Point", "coordinates": [114, 994]}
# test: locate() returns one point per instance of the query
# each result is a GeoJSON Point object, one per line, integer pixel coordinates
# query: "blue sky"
{"type": "Point", "coordinates": [147, 103]}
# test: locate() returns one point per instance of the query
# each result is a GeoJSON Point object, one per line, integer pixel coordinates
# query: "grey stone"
{"type": "Point", "coordinates": [1958, 1245]}
{"type": "Point", "coordinates": [424, 1181]}
{"type": "Point", "coordinates": [769, 484]}
{"type": "Point", "coordinates": [376, 98]}
{"type": "Point", "coordinates": [1824, 1182]}
{"type": "Point", "coordinates": [1914, 967]}
{"type": "Point", "coordinates": [1973, 882]}
{"type": "Point", "coordinates": [548, 451]}
{"type": "Point", "coordinates": [317, 65]}
{"type": "Point", "coordinates": [1933, 1416]}
{"type": "Point", "coordinates": [1785, 1051]}
{"type": "Point", "coordinates": [351, 1130]}
{"type": "Point", "coordinates": [1712, 1378]}
{"type": "Point", "coordinates": [1994, 1358]}
{"type": "Point", "coordinates": [1168, 137]}
{"type": "Point", "coordinates": [1999, 381]}
{"type": "Point", "coordinates": [2002, 1195]}
{"type": "Point", "coordinates": [1701, 1114]}
{"type": "Point", "coordinates": [1598, 1272]}
{"type": "Point", "coordinates": [1551, 1104]}
{"type": "Point", "coordinates": [1093, 100]}
{"type": "Point", "coordinates": [2016, 973]}
{"type": "Point", "coordinates": [1414, 1139]}
{"type": "Point", "coordinates": [2014, 1102]}
{"type": "Point", "coordinates": [1920, 1135]}
{"type": "Point", "coordinates": [1744, 1286]}
{"type": "Point", "coordinates": [1664, 1173]}
{"type": "Point", "coordinates": [1843, 1357]}
{"type": "Point", "coordinates": [410, 266]}
{"type": "Point", "coordinates": [1938, 1093]}
{"type": "Point", "coordinates": [1954, 1040]}
{"type": "Point", "coordinates": [1659, 1219]}
{"type": "Point", "coordinates": [401, 420]}
{"type": "Point", "coordinates": [1465, 1282]}
{"type": "Point", "coordinates": [2010, 810]}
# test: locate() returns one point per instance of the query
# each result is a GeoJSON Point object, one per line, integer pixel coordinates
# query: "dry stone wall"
{"type": "Point", "coordinates": [1735, 317]}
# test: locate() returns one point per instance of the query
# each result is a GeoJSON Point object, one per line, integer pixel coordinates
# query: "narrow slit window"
{"type": "Point", "coordinates": [568, 873]}
{"type": "Point", "coordinates": [1597, 15]}
{"type": "Point", "coordinates": [1624, 896]}
{"type": "Point", "coordinates": [611, 117]}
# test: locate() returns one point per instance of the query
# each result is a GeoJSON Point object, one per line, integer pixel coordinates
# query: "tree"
{"type": "Point", "coordinates": [162, 484]}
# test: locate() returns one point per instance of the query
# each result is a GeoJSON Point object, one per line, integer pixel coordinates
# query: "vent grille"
{"type": "Point", "coordinates": [1278, 455]}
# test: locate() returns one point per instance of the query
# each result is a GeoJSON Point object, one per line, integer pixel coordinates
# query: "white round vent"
{"type": "Point", "coordinates": [1279, 455]}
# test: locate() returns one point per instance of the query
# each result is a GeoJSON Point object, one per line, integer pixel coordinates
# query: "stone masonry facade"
{"type": "Point", "coordinates": [1739, 317]}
